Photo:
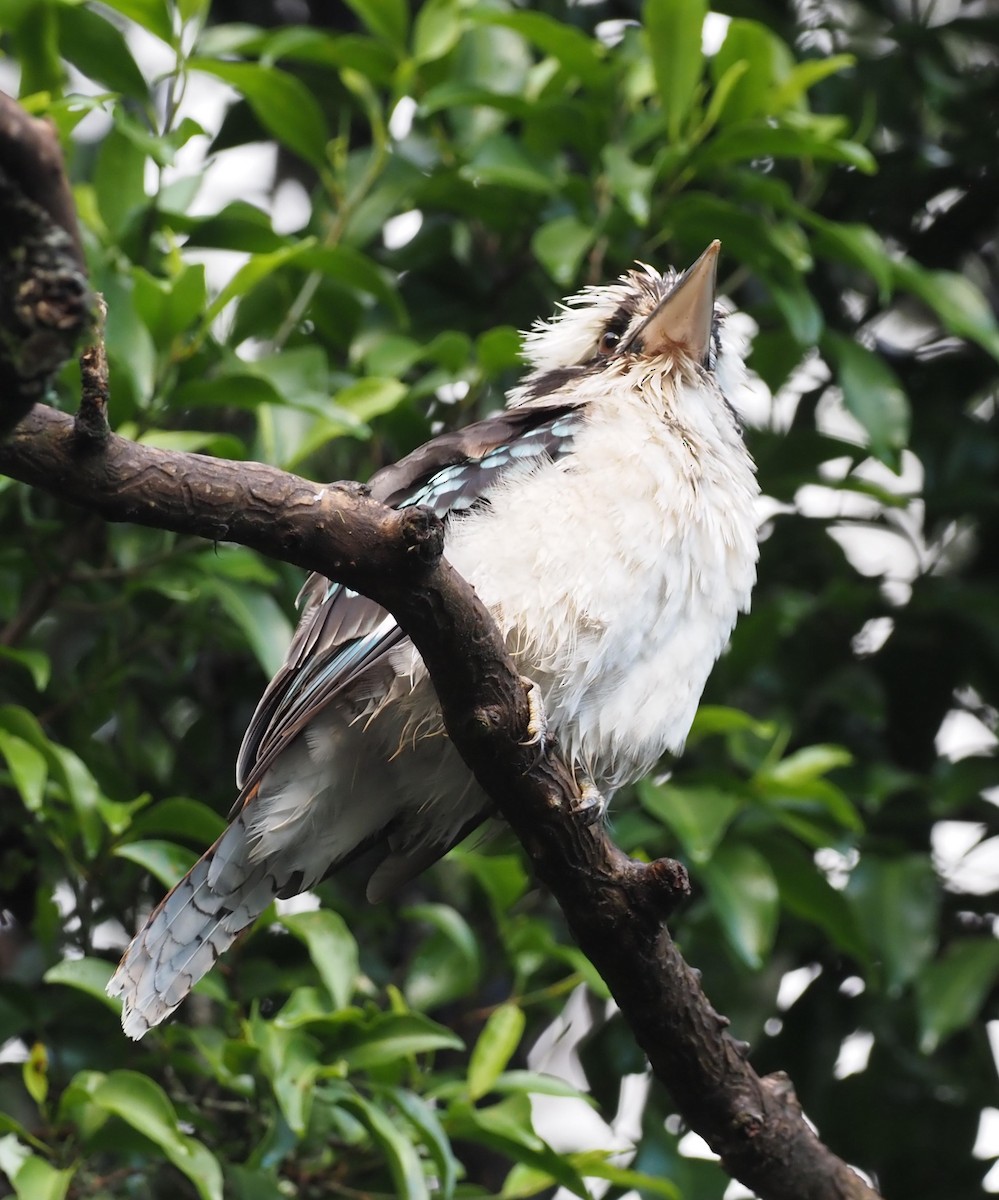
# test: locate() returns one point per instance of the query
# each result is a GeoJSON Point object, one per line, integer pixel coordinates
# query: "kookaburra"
{"type": "Point", "coordinates": [605, 517]}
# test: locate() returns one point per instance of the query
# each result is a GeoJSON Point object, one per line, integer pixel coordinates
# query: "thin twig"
{"type": "Point", "coordinates": [92, 416]}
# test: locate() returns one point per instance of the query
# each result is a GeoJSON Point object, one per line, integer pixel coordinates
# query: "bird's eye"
{"type": "Point", "coordinates": [608, 342]}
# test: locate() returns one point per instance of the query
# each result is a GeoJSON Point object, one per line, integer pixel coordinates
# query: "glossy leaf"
{"type": "Point", "coordinates": [88, 975]}
{"type": "Point", "coordinates": [268, 631]}
{"type": "Point", "coordinates": [872, 392]}
{"type": "Point", "coordinates": [150, 14]}
{"type": "Point", "coordinates": [674, 32]}
{"type": "Point", "coordinates": [494, 1048]}
{"type": "Point", "coordinates": [166, 860]}
{"type": "Point", "coordinates": [96, 48]}
{"type": "Point", "coordinates": [332, 949]}
{"type": "Point", "coordinates": [401, 1157]}
{"type": "Point", "coordinates": [281, 102]}
{"type": "Point", "coordinates": [427, 1124]}
{"type": "Point", "coordinates": [31, 1177]}
{"type": "Point", "coordinates": [951, 991]}
{"type": "Point", "coordinates": [447, 964]}
{"type": "Point", "coordinates": [141, 1103]}
{"type": "Point", "coordinates": [27, 769]}
{"type": "Point", "coordinates": [33, 661]}
{"type": "Point", "coordinates": [560, 245]}
{"type": "Point", "coordinates": [959, 304]}
{"type": "Point", "coordinates": [386, 19]}
{"type": "Point", "coordinates": [896, 901]}
{"type": "Point", "coordinates": [744, 897]}
{"type": "Point", "coordinates": [391, 1037]}
{"type": "Point", "coordinates": [699, 816]}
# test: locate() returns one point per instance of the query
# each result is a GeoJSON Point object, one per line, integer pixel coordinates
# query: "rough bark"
{"type": "Point", "coordinates": [615, 907]}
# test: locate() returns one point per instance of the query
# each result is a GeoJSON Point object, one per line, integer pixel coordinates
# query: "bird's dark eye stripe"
{"type": "Point", "coordinates": [619, 322]}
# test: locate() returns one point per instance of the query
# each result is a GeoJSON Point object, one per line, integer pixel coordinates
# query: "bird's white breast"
{"type": "Point", "coordinates": [617, 572]}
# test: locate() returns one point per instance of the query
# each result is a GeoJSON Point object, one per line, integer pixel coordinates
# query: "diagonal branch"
{"type": "Point", "coordinates": [615, 907]}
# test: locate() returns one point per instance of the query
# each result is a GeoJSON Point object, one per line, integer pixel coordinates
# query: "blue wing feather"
{"type": "Point", "coordinates": [341, 635]}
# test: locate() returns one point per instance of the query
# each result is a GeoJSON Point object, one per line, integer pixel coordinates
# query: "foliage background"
{"type": "Point", "coordinates": [845, 155]}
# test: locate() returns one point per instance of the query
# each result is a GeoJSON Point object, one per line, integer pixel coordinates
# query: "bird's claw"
{"type": "Point", "coordinates": [537, 725]}
{"type": "Point", "coordinates": [591, 805]}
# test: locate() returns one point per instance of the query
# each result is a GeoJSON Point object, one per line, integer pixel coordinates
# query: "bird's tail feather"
{"type": "Point", "coordinates": [223, 893]}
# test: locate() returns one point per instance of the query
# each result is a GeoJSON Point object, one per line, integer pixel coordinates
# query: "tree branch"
{"type": "Point", "coordinates": [615, 907]}
{"type": "Point", "coordinates": [44, 302]}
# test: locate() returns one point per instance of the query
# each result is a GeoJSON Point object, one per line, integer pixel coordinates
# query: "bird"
{"type": "Point", "coordinates": [605, 517]}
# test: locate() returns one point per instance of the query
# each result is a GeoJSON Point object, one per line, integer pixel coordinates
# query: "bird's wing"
{"type": "Point", "coordinates": [341, 634]}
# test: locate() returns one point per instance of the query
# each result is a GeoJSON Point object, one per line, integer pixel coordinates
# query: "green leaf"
{"type": "Point", "coordinates": [674, 32]}
{"type": "Point", "coordinates": [716, 718]}
{"type": "Point", "coordinates": [806, 764]}
{"type": "Point", "coordinates": [180, 817]}
{"type": "Point", "coordinates": [630, 182]}
{"type": "Point", "coordinates": [805, 892]}
{"type": "Point", "coordinates": [576, 52]}
{"type": "Point", "coordinates": [392, 1036]}
{"type": "Point", "coordinates": [119, 183]}
{"type": "Point", "coordinates": [799, 309]}
{"type": "Point", "coordinates": [806, 75]}
{"type": "Point", "coordinates": [508, 1128]}
{"type": "Point", "coordinates": [535, 1084]}
{"type": "Point", "coordinates": [37, 47]}
{"type": "Point", "coordinates": [332, 949]}
{"type": "Point", "coordinates": [281, 102]}
{"type": "Point", "coordinates": [27, 768]}
{"type": "Point", "coordinates": [872, 392]}
{"type": "Point", "coordinates": [752, 140]}
{"type": "Point", "coordinates": [35, 1073]}
{"type": "Point", "coordinates": [150, 14]}
{"type": "Point", "coordinates": [290, 1060]}
{"type": "Point", "coordinates": [951, 991]}
{"type": "Point", "coordinates": [169, 306]}
{"type": "Point", "coordinates": [369, 398]}
{"type": "Point", "coordinates": [34, 661]}
{"type": "Point", "coordinates": [88, 975]}
{"type": "Point", "coordinates": [252, 273]}
{"type": "Point", "coordinates": [31, 1177]}
{"type": "Point", "coordinates": [744, 896]}
{"type": "Point", "coordinates": [267, 630]}
{"type": "Point", "coordinates": [560, 245]}
{"type": "Point", "coordinates": [496, 1044]}
{"type": "Point", "coordinates": [358, 272]}
{"type": "Point", "coordinates": [498, 349]}
{"type": "Point", "coordinates": [386, 19]}
{"type": "Point", "coordinates": [238, 226]}
{"type": "Point", "coordinates": [402, 1159]}
{"type": "Point", "coordinates": [97, 49]}
{"type": "Point", "coordinates": [699, 816]}
{"type": "Point", "coordinates": [757, 90]}
{"type": "Point", "coordinates": [897, 903]}
{"type": "Point", "coordinates": [65, 770]}
{"type": "Point", "coordinates": [166, 860]}
{"type": "Point", "coordinates": [596, 1164]}
{"type": "Point", "coordinates": [144, 1105]}
{"type": "Point", "coordinates": [426, 1123]}
{"type": "Point", "coordinates": [446, 966]}
{"type": "Point", "coordinates": [956, 301]}
{"type": "Point", "coordinates": [437, 29]}
{"type": "Point", "coordinates": [853, 243]}
{"type": "Point", "coordinates": [502, 161]}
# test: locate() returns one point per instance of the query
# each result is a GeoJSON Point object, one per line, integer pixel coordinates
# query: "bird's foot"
{"type": "Point", "coordinates": [537, 725]}
{"type": "Point", "coordinates": [592, 804]}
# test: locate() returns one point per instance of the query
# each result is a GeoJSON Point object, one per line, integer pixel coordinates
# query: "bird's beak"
{"type": "Point", "coordinates": [684, 320]}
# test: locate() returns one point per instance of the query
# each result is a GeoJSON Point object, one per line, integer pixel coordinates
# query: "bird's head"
{"type": "Point", "coordinates": [645, 320]}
